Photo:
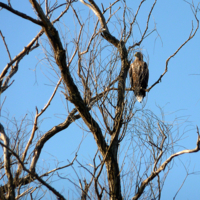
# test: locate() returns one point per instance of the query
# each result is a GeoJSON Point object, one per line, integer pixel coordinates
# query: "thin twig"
{"type": "Point", "coordinates": [6, 45]}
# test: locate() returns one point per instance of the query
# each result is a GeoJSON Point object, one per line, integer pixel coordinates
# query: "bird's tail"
{"type": "Point", "coordinates": [139, 98]}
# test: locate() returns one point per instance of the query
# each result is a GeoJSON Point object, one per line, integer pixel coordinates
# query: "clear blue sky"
{"type": "Point", "coordinates": [178, 93]}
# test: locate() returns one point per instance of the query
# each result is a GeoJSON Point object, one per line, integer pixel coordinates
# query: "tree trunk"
{"type": "Point", "coordinates": [113, 173]}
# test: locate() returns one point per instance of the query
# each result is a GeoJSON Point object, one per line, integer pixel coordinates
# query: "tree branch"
{"type": "Point", "coordinates": [147, 26]}
{"type": "Point", "coordinates": [192, 34]}
{"type": "Point", "coordinates": [20, 14]}
{"type": "Point", "coordinates": [7, 166]}
{"type": "Point", "coordinates": [21, 55]}
{"type": "Point", "coordinates": [35, 128]}
{"type": "Point", "coordinates": [162, 167]}
{"type": "Point", "coordinates": [105, 31]}
{"type": "Point", "coordinates": [5, 45]}
{"type": "Point", "coordinates": [34, 174]}
{"type": "Point", "coordinates": [131, 24]}
{"type": "Point", "coordinates": [74, 94]}
{"type": "Point", "coordinates": [17, 59]}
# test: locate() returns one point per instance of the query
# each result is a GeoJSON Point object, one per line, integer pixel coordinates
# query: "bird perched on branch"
{"type": "Point", "coordinates": [139, 76]}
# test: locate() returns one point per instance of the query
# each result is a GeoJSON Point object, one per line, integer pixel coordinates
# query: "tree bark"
{"type": "Point", "coordinates": [113, 173]}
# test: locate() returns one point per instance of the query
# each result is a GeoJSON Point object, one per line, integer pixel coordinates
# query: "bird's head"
{"type": "Point", "coordinates": [138, 55]}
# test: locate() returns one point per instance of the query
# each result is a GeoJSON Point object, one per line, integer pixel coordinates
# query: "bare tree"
{"type": "Point", "coordinates": [98, 96]}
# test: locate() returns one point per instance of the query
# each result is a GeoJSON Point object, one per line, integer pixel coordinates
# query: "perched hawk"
{"type": "Point", "coordinates": [139, 76]}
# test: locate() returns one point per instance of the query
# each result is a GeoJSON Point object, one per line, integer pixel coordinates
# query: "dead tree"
{"type": "Point", "coordinates": [86, 84]}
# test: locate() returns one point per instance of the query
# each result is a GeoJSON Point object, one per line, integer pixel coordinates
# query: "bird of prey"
{"type": "Point", "coordinates": [139, 76]}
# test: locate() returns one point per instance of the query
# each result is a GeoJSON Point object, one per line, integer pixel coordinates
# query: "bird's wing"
{"type": "Point", "coordinates": [146, 75]}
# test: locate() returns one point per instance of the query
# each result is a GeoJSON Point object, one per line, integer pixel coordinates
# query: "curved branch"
{"type": "Point", "coordinates": [97, 12]}
{"type": "Point", "coordinates": [105, 31]}
{"type": "Point", "coordinates": [167, 61]}
{"type": "Point", "coordinates": [50, 134]}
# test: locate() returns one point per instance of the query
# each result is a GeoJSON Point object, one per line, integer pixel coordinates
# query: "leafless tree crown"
{"type": "Point", "coordinates": [88, 63]}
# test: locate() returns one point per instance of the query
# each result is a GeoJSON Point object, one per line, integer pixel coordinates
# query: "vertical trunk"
{"type": "Point", "coordinates": [113, 174]}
